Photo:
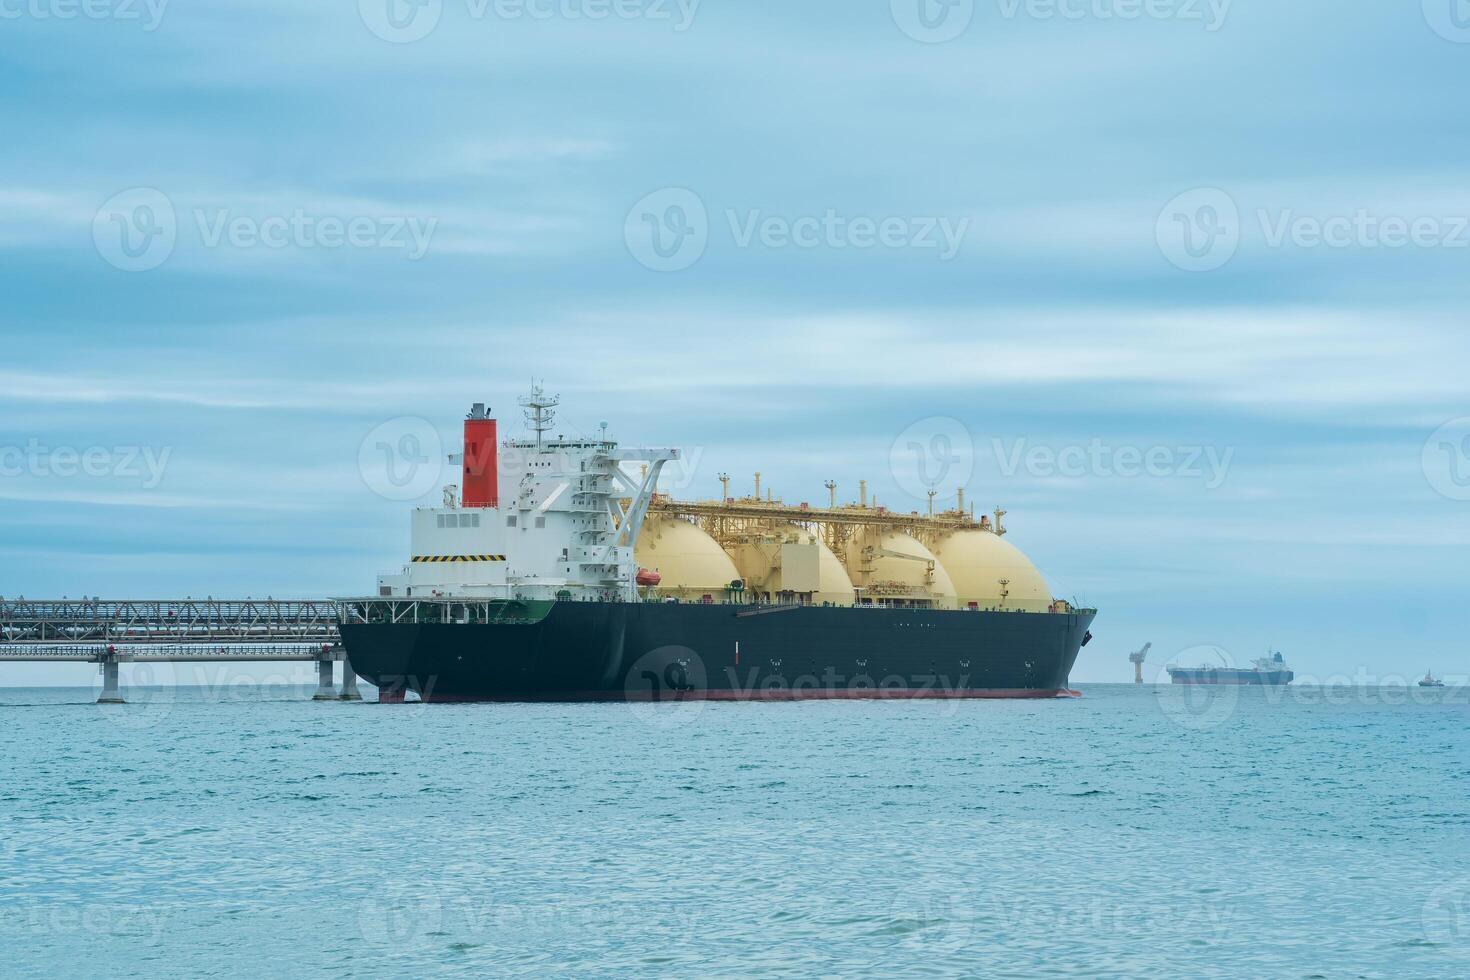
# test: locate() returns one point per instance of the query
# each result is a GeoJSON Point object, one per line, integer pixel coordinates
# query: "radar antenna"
{"type": "Point", "coordinates": [540, 411]}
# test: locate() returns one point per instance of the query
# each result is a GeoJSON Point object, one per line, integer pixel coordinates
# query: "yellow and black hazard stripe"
{"type": "Point", "coordinates": [419, 558]}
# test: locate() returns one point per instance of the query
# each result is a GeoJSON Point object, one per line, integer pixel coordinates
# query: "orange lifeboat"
{"type": "Point", "coordinates": [647, 577]}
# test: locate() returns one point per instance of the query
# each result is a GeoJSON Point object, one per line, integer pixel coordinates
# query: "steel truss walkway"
{"type": "Point", "coordinates": [108, 632]}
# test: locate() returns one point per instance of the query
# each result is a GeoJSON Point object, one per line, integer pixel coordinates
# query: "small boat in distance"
{"type": "Point", "coordinates": [1429, 680]}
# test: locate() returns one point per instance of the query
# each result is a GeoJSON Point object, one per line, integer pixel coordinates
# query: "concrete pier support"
{"type": "Point", "coordinates": [324, 689]}
{"type": "Point", "coordinates": [110, 693]}
{"type": "Point", "coordinates": [349, 683]}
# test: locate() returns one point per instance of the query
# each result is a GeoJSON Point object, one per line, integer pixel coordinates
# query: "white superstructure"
{"type": "Point", "coordinates": [533, 518]}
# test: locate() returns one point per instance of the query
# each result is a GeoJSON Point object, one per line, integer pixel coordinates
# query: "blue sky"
{"type": "Point", "coordinates": [1231, 231]}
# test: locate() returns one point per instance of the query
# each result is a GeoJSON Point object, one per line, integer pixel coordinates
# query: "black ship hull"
{"type": "Point", "coordinates": [602, 651]}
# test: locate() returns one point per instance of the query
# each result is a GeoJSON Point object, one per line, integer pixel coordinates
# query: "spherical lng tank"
{"type": "Point", "coordinates": [979, 561]}
{"type": "Point", "coordinates": [788, 561]}
{"type": "Point", "coordinates": [690, 563]}
{"type": "Point", "coordinates": [892, 567]}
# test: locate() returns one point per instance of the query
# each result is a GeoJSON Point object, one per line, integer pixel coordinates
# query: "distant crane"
{"type": "Point", "coordinates": [1136, 659]}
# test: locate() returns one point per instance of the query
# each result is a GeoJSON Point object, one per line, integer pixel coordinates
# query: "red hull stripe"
{"type": "Point", "coordinates": [783, 694]}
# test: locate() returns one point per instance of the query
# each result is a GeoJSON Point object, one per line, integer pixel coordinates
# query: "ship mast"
{"type": "Point", "coordinates": [540, 411]}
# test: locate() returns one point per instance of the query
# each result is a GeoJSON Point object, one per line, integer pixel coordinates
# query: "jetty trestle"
{"type": "Point", "coordinates": [111, 632]}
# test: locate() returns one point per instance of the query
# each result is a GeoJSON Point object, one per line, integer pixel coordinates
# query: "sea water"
{"type": "Point", "coordinates": [1133, 831]}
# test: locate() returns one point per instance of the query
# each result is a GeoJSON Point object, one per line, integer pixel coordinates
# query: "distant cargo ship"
{"type": "Point", "coordinates": [1270, 670]}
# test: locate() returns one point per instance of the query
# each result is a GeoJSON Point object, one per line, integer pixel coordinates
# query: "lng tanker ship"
{"type": "Point", "coordinates": [553, 573]}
